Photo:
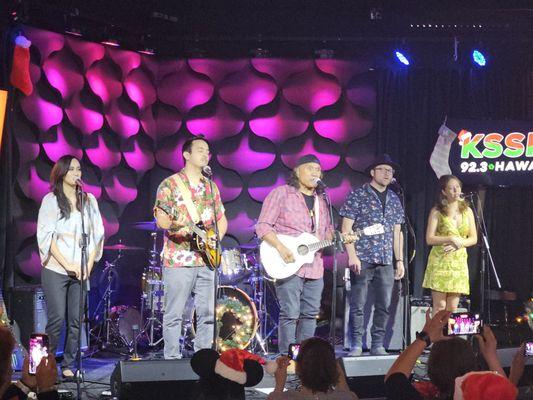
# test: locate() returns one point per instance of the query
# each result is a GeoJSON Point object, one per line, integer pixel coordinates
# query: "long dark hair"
{"type": "Point", "coordinates": [294, 182]}
{"type": "Point", "coordinates": [59, 171]}
{"type": "Point", "coordinates": [448, 360]}
{"type": "Point", "coordinates": [316, 365]}
{"type": "Point", "coordinates": [442, 203]}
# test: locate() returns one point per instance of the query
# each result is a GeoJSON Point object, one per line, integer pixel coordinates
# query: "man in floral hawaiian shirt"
{"type": "Point", "coordinates": [371, 259]}
{"type": "Point", "coordinates": [185, 270]}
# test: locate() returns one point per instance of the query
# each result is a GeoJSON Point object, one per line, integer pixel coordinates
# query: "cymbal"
{"type": "Point", "coordinates": [122, 247]}
{"type": "Point", "coordinates": [146, 226]}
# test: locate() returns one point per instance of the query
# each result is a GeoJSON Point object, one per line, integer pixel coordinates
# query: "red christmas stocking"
{"type": "Point", "coordinates": [20, 71]}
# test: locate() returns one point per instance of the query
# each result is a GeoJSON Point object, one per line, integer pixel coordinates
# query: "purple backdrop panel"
{"type": "Point", "coordinates": [215, 69]}
{"type": "Point", "coordinates": [281, 68]}
{"type": "Point", "coordinates": [105, 81]}
{"type": "Point", "coordinates": [259, 191]}
{"type": "Point", "coordinates": [63, 73]}
{"type": "Point", "coordinates": [35, 73]}
{"type": "Point", "coordinates": [229, 183]}
{"type": "Point", "coordinates": [247, 90]}
{"type": "Point", "coordinates": [46, 42]}
{"type": "Point", "coordinates": [91, 182]}
{"type": "Point", "coordinates": [102, 150]}
{"type": "Point", "coordinates": [88, 52]}
{"type": "Point", "coordinates": [185, 89]}
{"type": "Point", "coordinates": [109, 218]}
{"type": "Point", "coordinates": [362, 92]}
{"type": "Point", "coordinates": [140, 88]}
{"type": "Point", "coordinates": [34, 185]}
{"type": "Point", "coordinates": [121, 187]}
{"type": "Point", "coordinates": [357, 155]}
{"type": "Point", "coordinates": [312, 90]}
{"type": "Point", "coordinates": [27, 141]}
{"type": "Point", "coordinates": [59, 142]}
{"type": "Point", "coordinates": [279, 122]}
{"type": "Point", "coordinates": [138, 154]}
{"type": "Point", "coordinates": [126, 60]}
{"type": "Point", "coordinates": [161, 68]}
{"type": "Point", "coordinates": [326, 151]}
{"type": "Point", "coordinates": [242, 226]}
{"type": "Point", "coordinates": [216, 120]}
{"type": "Point", "coordinates": [169, 153]}
{"type": "Point", "coordinates": [41, 112]}
{"type": "Point", "coordinates": [85, 119]}
{"type": "Point", "coordinates": [160, 121]}
{"type": "Point", "coordinates": [29, 261]}
{"type": "Point", "coordinates": [246, 154]}
{"type": "Point", "coordinates": [121, 118]}
{"type": "Point", "coordinates": [25, 227]}
{"type": "Point", "coordinates": [343, 70]}
{"type": "Point", "coordinates": [342, 124]}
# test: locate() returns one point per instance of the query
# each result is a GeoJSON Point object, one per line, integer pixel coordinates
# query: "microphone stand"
{"type": "Point", "coordinates": [209, 174]}
{"type": "Point", "coordinates": [485, 254]}
{"type": "Point", "coordinates": [337, 246]}
{"type": "Point", "coordinates": [84, 241]}
{"type": "Point", "coordinates": [405, 291]}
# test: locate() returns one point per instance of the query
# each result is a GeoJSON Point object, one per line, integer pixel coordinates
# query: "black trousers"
{"type": "Point", "coordinates": [62, 300]}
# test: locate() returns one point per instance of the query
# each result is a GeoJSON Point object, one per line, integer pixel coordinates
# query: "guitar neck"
{"type": "Point", "coordinates": [320, 245]}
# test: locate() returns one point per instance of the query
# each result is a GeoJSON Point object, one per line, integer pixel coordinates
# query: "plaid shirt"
{"type": "Point", "coordinates": [285, 212]}
{"type": "Point", "coordinates": [364, 207]}
{"type": "Point", "coordinates": [177, 242]}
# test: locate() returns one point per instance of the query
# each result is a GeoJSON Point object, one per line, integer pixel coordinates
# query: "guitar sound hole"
{"type": "Point", "coordinates": [303, 250]}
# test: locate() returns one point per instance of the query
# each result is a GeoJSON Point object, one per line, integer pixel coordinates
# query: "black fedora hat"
{"type": "Point", "coordinates": [382, 159]}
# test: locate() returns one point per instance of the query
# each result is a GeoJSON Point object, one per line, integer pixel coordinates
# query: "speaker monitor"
{"type": "Point", "coordinates": [394, 329]}
{"type": "Point", "coordinates": [29, 315]}
{"type": "Point", "coordinates": [153, 379]}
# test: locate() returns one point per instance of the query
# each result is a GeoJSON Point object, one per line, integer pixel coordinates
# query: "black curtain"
{"type": "Point", "coordinates": [412, 104]}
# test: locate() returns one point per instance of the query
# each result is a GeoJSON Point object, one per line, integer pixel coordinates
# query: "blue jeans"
{"type": "Point", "coordinates": [299, 301]}
{"type": "Point", "coordinates": [381, 277]}
{"type": "Point", "coordinates": [179, 284]}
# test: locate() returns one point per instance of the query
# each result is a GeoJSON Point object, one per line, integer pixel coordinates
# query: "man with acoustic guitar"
{"type": "Point", "coordinates": [184, 208]}
{"type": "Point", "coordinates": [290, 210]}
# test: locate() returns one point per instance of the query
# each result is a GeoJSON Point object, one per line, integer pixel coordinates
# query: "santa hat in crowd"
{"type": "Point", "coordinates": [484, 385]}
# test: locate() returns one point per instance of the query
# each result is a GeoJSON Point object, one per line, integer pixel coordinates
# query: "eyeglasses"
{"type": "Point", "coordinates": [386, 170]}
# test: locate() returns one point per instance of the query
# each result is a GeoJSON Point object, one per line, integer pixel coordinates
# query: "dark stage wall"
{"type": "Point", "coordinates": [126, 115]}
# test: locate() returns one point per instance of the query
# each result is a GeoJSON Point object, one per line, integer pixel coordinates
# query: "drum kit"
{"type": "Point", "coordinates": [245, 302]}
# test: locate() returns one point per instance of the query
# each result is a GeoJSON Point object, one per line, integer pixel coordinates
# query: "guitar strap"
{"type": "Point", "coordinates": [317, 212]}
{"type": "Point", "coordinates": [187, 199]}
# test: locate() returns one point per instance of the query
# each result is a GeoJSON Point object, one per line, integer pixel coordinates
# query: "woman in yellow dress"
{"type": "Point", "coordinates": [451, 229]}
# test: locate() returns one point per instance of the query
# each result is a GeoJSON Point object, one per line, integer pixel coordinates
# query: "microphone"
{"type": "Point", "coordinates": [320, 183]}
{"type": "Point", "coordinates": [79, 185]}
{"type": "Point", "coordinates": [207, 170]}
{"type": "Point", "coordinates": [395, 184]}
{"type": "Point", "coordinates": [468, 195]}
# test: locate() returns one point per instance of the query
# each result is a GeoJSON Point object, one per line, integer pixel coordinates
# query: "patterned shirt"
{"type": "Point", "coordinates": [285, 212]}
{"type": "Point", "coordinates": [177, 242]}
{"type": "Point", "coordinates": [364, 207]}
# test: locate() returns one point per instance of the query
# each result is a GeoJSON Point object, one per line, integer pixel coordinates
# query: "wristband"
{"type": "Point", "coordinates": [399, 261]}
{"type": "Point", "coordinates": [423, 335]}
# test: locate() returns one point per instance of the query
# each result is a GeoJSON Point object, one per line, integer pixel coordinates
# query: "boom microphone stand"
{"type": "Point", "coordinates": [337, 246]}
{"type": "Point", "coordinates": [485, 253]}
{"type": "Point", "coordinates": [207, 171]}
{"type": "Point", "coordinates": [84, 241]}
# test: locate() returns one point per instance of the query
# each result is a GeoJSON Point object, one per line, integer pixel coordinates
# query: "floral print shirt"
{"type": "Point", "coordinates": [364, 207]}
{"type": "Point", "coordinates": [177, 250]}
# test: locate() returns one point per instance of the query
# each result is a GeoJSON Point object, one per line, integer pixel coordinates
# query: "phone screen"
{"type": "Point", "coordinates": [463, 324]}
{"type": "Point", "coordinates": [528, 351]}
{"type": "Point", "coordinates": [294, 349]}
{"type": "Point", "coordinates": [38, 349]}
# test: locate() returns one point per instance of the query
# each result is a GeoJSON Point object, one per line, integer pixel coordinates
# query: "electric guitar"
{"type": "Point", "coordinates": [303, 247]}
{"type": "Point", "coordinates": [201, 240]}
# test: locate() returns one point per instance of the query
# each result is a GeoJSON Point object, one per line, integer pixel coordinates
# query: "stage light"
{"type": "Point", "coordinates": [479, 58]}
{"type": "Point", "coordinates": [147, 51]}
{"type": "Point", "coordinates": [402, 58]}
{"type": "Point", "coordinates": [110, 42]}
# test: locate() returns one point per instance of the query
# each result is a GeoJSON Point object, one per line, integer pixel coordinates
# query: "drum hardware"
{"type": "Point", "coordinates": [152, 297]}
{"type": "Point", "coordinates": [107, 333]}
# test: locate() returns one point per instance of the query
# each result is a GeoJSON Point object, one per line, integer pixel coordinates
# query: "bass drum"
{"type": "Point", "coordinates": [123, 319]}
{"type": "Point", "coordinates": [237, 320]}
